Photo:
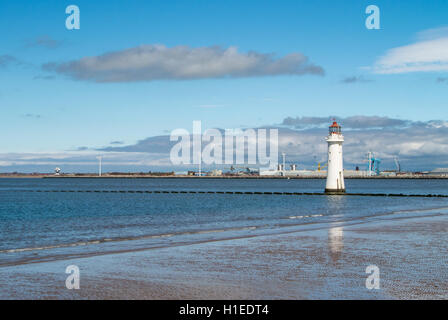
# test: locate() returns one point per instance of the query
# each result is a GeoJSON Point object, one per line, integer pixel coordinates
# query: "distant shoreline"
{"type": "Point", "coordinates": [105, 176]}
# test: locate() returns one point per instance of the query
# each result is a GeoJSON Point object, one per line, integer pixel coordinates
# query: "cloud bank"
{"type": "Point", "coordinates": [353, 122]}
{"type": "Point", "coordinates": [158, 62]}
{"type": "Point", "coordinates": [419, 146]}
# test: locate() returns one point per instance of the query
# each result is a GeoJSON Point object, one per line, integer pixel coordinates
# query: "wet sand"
{"type": "Point", "coordinates": [328, 263]}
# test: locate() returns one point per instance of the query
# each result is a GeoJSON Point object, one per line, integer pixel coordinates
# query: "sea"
{"type": "Point", "coordinates": [61, 218]}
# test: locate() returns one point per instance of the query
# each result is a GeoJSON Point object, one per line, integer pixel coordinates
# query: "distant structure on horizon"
{"type": "Point", "coordinates": [335, 172]}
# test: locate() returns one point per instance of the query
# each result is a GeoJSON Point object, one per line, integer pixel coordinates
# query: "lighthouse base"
{"type": "Point", "coordinates": [334, 191]}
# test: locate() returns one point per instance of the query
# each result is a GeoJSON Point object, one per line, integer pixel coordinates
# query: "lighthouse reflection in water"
{"type": "Point", "coordinates": [336, 230]}
{"type": "Point", "coordinates": [335, 242]}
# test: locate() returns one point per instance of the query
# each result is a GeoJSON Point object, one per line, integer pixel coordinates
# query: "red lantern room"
{"type": "Point", "coordinates": [335, 128]}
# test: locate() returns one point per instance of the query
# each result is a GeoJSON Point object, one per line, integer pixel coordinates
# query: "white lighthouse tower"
{"type": "Point", "coordinates": [335, 174]}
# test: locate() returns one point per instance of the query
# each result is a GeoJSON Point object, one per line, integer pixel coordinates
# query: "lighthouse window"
{"type": "Point", "coordinates": [335, 129]}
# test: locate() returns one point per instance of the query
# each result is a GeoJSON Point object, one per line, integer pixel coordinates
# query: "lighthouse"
{"type": "Point", "coordinates": [335, 174]}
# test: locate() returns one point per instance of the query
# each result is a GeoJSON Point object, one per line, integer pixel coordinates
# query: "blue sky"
{"type": "Point", "coordinates": [49, 111]}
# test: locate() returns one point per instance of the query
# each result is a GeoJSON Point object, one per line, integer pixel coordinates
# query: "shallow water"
{"type": "Point", "coordinates": [41, 226]}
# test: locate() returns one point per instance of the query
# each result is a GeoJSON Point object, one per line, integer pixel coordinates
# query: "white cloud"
{"type": "Point", "coordinates": [428, 54]}
{"type": "Point", "coordinates": [158, 62]}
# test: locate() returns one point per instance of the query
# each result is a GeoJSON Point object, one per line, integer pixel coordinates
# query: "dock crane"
{"type": "Point", "coordinates": [373, 164]}
{"type": "Point", "coordinates": [319, 167]}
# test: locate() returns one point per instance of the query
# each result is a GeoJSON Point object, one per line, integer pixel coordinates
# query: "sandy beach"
{"type": "Point", "coordinates": [326, 263]}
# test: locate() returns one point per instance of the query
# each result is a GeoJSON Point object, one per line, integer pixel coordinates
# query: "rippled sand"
{"type": "Point", "coordinates": [328, 263]}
